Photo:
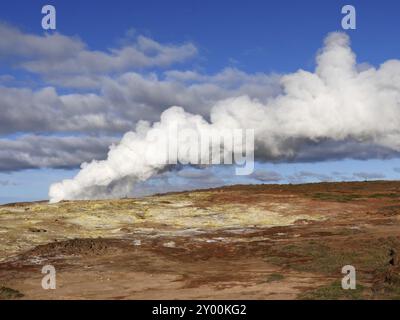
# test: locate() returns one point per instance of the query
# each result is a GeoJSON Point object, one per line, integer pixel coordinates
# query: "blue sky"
{"type": "Point", "coordinates": [261, 35]}
{"type": "Point", "coordinates": [255, 37]}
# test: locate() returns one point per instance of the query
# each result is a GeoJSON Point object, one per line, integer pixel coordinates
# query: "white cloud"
{"type": "Point", "coordinates": [369, 175]}
{"type": "Point", "coordinates": [267, 176]}
{"type": "Point", "coordinates": [7, 183]}
{"type": "Point", "coordinates": [16, 44]}
{"type": "Point", "coordinates": [305, 176]}
{"type": "Point", "coordinates": [121, 102]}
{"type": "Point", "coordinates": [111, 97]}
{"type": "Point", "coordinates": [29, 151]}
{"type": "Point", "coordinates": [58, 54]}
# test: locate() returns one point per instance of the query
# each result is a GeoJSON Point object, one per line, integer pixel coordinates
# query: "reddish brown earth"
{"type": "Point", "coordinates": [335, 224]}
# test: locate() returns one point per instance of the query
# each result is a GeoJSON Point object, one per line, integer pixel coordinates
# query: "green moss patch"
{"type": "Point", "coordinates": [334, 291]}
{"type": "Point", "coordinates": [9, 294]}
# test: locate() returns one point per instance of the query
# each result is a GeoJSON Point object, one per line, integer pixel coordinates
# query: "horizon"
{"type": "Point", "coordinates": [226, 186]}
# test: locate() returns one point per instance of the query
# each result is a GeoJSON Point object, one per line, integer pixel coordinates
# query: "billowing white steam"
{"type": "Point", "coordinates": [340, 102]}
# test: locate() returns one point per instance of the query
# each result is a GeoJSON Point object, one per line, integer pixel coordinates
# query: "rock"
{"type": "Point", "coordinates": [170, 244]}
{"type": "Point", "coordinates": [37, 230]}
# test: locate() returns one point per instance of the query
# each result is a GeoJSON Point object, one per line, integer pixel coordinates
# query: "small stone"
{"type": "Point", "coordinates": [170, 244]}
{"type": "Point", "coordinates": [37, 230]}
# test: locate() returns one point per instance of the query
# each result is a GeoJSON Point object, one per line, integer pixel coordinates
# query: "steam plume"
{"type": "Point", "coordinates": [339, 104]}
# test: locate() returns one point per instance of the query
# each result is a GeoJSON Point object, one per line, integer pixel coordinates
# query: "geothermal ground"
{"type": "Point", "coordinates": [240, 242]}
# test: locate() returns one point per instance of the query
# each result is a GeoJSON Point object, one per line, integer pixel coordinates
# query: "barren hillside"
{"type": "Point", "coordinates": [247, 242]}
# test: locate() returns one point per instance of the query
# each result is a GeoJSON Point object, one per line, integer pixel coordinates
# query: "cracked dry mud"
{"type": "Point", "coordinates": [239, 242]}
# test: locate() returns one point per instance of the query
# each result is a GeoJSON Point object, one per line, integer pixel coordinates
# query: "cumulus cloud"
{"type": "Point", "coordinates": [184, 180]}
{"type": "Point", "coordinates": [329, 149]}
{"type": "Point", "coordinates": [30, 152]}
{"type": "Point", "coordinates": [121, 102]}
{"type": "Point", "coordinates": [108, 92]}
{"type": "Point", "coordinates": [153, 95]}
{"type": "Point", "coordinates": [199, 178]}
{"type": "Point", "coordinates": [341, 176]}
{"type": "Point", "coordinates": [195, 174]}
{"type": "Point", "coordinates": [7, 183]}
{"type": "Point", "coordinates": [44, 111]}
{"type": "Point", "coordinates": [133, 96]}
{"type": "Point", "coordinates": [267, 176]}
{"type": "Point", "coordinates": [111, 98]}
{"type": "Point", "coordinates": [339, 104]}
{"type": "Point", "coordinates": [59, 54]}
{"type": "Point", "coordinates": [369, 175]}
{"type": "Point", "coordinates": [304, 176]}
